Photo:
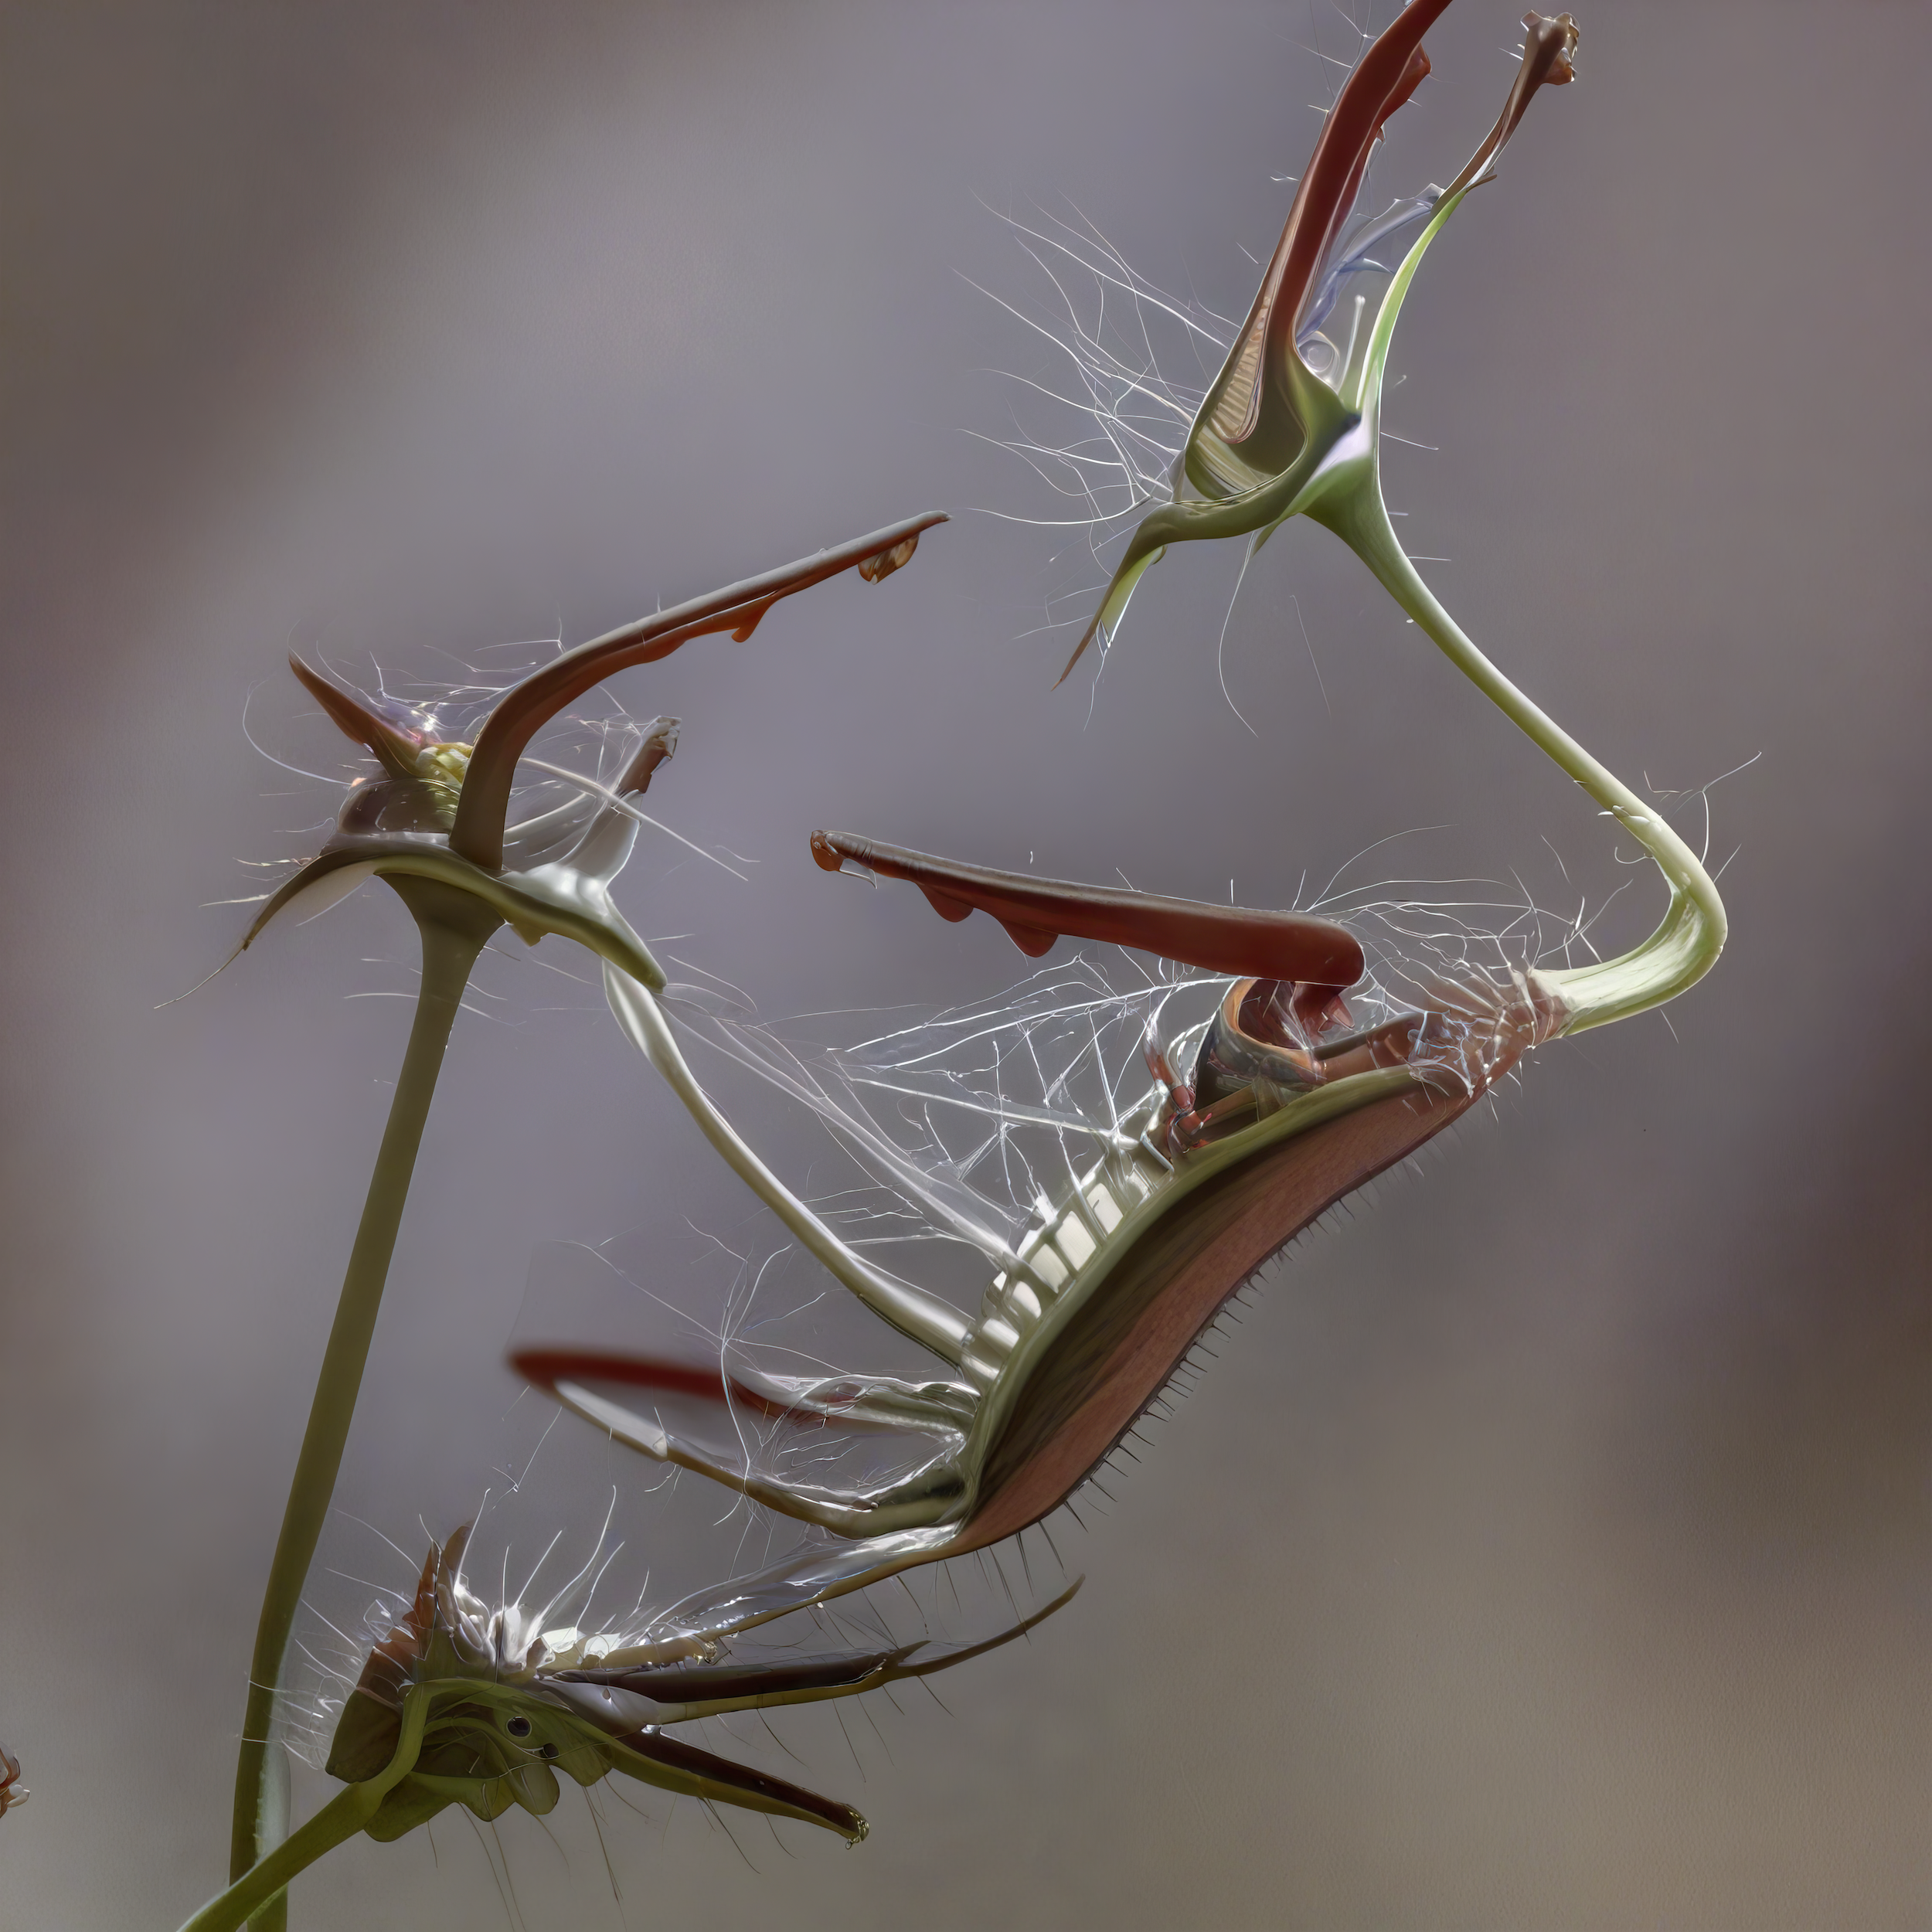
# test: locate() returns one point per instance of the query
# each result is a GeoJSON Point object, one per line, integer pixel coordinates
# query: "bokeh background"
{"type": "Point", "coordinates": [1550, 1547]}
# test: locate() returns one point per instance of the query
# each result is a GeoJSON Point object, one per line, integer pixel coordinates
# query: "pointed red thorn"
{"type": "Point", "coordinates": [394, 746]}
{"type": "Point", "coordinates": [523, 710]}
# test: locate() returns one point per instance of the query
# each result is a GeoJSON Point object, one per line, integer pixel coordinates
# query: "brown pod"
{"type": "Point", "coordinates": [1107, 1367]}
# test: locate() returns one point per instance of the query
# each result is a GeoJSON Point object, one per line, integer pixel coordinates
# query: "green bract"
{"type": "Point", "coordinates": [558, 869]}
{"type": "Point", "coordinates": [500, 1721]}
{"type": "Point", "coordinates": [465, 1704]}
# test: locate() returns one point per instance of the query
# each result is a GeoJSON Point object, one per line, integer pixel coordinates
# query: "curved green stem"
{"type": "Point", "coordinates": [1687, 942]}
{"type": "Point", "coordinates": [262, 1887]}
{"type": "Point", "coordinates": [454, 927]}
{"type": "Point", "coordinates": [1347, 499]}
{"type": "Point", "coordinates": [934, 1324]}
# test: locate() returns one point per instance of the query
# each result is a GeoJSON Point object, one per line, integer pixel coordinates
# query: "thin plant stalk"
{"type": "Point", "coordinates": [1349, 500]}
{"type": "Point", "coordinates": [1691, 933]}
{"type": "Point", "coordinates": [262, 1890]}
{"type": "Point", "coordinates": [454, 926]}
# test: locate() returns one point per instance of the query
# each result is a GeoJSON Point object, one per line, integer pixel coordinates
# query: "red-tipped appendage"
{"type": "Point", "coordinates": [1413, 76]}
{"type": "Point", "coordinates": [739, 1784]}
{"type": "Point", "coordinates": [1036, 912]}
{"type": "Point", "coordinates": [545, 1369]}
{"type": "Point", "coordinates": [1383, 79]}
{"type": "Point", "coordinates": [527, 707]}
{"type": "Point", "coordinates": [1550, 49]}
{"type": "Point", "coordinates": [394, 746]}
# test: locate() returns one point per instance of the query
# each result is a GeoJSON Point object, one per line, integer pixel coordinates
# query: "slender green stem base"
{"type": "Point", "coordinates": [1691, 935]}
{"type": "Point", "coordinates": [263, 1887]}
{"type": "Point", "coordinates": [1347, 499]}
{"type": "Point", "coordinates": [454, 927]}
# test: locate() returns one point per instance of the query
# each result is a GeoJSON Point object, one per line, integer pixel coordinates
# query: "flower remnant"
{"type": "Point", "coordinates": [1288, 423]}
{"type": "Point", "coordinates": [488, 1706]}
{"type": "Point", "coordinates": [438, 812]}
{"type": "Point", "coordinates": [433, 826]}
{"type": "Point", "coordinates": [507, 1711]}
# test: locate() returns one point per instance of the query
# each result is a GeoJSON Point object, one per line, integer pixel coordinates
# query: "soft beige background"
{"type": "Point", "coordinates": [1549, 1547]}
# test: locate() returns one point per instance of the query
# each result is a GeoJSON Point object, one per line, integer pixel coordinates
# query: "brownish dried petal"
{"type": "Point", "coordinates": [875, 569]}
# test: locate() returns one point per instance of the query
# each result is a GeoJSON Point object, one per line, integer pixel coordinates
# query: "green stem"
{"type": "Point", "coordinates": [1687, 942]}
{"type": "Point", "coordinates": [1348, 501]}
{"type": "Point", "coordinates": [262, 1887]}
{"type": "Point", "coordinates": [454, 927]}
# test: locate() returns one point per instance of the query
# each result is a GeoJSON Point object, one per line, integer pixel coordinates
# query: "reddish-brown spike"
{"type": "Point", "coordinates": [1383, 78]}
{"type": "Point", "coordinates": [1417, 71]}
{"type": "Point", "coordinates": [543, 1369]}
{"type": "Point", "coordinates": [371, 1722]}
{"type": "Point", "coordinates": [686, 1683]}
{"type": "Point", "coordinates": [527, 707]}
{"type": "Point", "coordinates": [739, 1784]}
{"type": "Point", "coordinates": [395, 747]}
{"type": "Point", "coordinates": [1035, 912]}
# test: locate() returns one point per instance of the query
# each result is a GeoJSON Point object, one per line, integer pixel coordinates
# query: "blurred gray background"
{"type": "Point", "coordinates": [1550, 1547]}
